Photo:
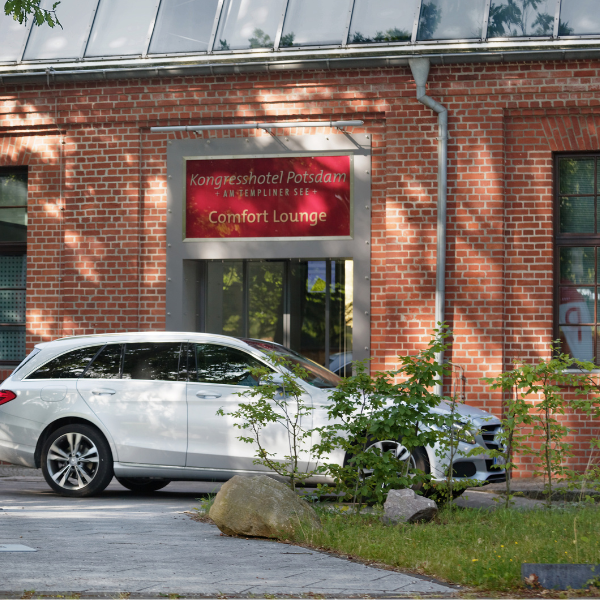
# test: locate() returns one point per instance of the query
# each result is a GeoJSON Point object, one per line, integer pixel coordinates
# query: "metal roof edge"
{"type": "Point", "coordinates": [51, 75]}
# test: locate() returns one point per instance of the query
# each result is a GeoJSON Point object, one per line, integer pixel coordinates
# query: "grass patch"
{"type": "Point", "coordinates": [200, 513]}
{"type": "Point", "coordinates": [466, 546]}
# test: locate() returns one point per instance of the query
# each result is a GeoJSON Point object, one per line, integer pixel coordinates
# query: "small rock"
{"type": "Point", "coordinates": [404, 506]}
{"type": "Point", "coordinates": [260, 507]}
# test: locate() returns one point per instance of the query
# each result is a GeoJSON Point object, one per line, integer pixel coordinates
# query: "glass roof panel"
{"type": "Point", "coordinates": [315, 22]}
{"type": "Point", "coordinates": [183, 26]}
{"type": "Point", "coordinates": [248, 24]}
{"type": "Point", "coordinates": [451, 19]}
{"type": "Point", "coordinates": [382, 21]}
{"type": "Point", "coordinates": [521, 18]}
{"type": "Point", "coordinates": [121, 27]}
{"type": "Point", "coordinates": [12, 35]}
{"type": "Point", "coordinates": [579, 17]}
{"type": "Point", "coordinates": [66, 42]}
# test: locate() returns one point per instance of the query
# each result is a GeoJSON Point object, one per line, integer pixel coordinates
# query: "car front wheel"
{"type": "Point", "coordinates": [143, 484]}
{"type": "Point", "coordinates": [77, 461]}
{"type": "Point", "coordinates": [418, 459]}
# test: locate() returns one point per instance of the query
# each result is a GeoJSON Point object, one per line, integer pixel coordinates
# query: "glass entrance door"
{"type": "Point", "coordinates": [303, 304]}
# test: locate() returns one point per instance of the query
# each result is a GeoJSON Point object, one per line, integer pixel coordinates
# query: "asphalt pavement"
{"type": "Point", "coordinates": [121, 543]}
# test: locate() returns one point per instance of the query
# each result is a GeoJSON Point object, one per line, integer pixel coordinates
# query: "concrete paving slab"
{"type": "Point", "coordinates": [534, 488]}
{"type": "Point", "coordinates": [145, 544]}
{"type": "Point", "coordinates": [483, 500]}
{"type": "Point", "coordinates": [16, 548]}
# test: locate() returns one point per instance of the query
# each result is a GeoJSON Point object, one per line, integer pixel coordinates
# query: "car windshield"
{"type": "Point", "coordinates": [315, 374]}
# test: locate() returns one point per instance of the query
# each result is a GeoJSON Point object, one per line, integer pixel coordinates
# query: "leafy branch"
{"type": "Point", "coordinates": [21, 10]}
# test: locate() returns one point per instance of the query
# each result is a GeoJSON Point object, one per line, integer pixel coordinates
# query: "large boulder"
{"type": "Point", "coordinates": [404, 506]}
{"type": "Point", "coordinates": [260, 507]}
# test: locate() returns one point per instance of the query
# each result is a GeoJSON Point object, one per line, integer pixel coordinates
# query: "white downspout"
{"type": "Point", "coordinates": [420, 71]}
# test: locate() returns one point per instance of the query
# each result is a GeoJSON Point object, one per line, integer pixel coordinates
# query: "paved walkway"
{"type": "Point", "coordinates": [145, 545]}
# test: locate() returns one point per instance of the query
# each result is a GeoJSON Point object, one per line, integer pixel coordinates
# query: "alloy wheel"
{"type": "Point", "coordinates": [398, 450]}
{"type": "Point", "coordinates": [73, 461]}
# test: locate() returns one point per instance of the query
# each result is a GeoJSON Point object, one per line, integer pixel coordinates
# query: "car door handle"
{"type": "Point", "coordinates": [204, 395]}
{"type": "Point", "coordinates": [101, 392]}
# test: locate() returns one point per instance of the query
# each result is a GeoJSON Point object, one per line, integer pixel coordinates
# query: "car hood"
{"type": "Point", "coordinates": [464, 412]}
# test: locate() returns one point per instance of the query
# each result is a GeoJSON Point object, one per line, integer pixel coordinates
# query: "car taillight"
{"type": "Point", "coordinates": [6, 396]}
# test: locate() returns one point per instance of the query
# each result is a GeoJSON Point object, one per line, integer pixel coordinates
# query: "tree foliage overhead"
{"type": "Point", "coordinates": [21, 10]}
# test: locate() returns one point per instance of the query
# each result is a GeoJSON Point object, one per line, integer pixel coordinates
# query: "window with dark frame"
{"type": "Point", "coordinates": [577, 257]}
{"type": "Point", "coordinates": [13, 263]}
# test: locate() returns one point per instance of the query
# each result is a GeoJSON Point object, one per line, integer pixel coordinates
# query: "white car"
{"type": "Point", "coordinates": [142, 407]}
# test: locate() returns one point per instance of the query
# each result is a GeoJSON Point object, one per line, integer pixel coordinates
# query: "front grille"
{"type": "Point", "coordinates": [490, 468]}
{"type": "Point", "coordinates": [488, 434]}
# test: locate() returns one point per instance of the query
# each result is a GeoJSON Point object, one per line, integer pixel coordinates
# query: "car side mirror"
{"type": "Point", "coordinates": [276, 378]}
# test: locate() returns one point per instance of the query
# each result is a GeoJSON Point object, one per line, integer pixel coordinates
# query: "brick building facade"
{"type": "Point", "coordinates": [97, 202]}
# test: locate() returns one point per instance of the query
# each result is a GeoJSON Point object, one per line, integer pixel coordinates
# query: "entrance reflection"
{"type": "Point", "coordinates": [305, 305]}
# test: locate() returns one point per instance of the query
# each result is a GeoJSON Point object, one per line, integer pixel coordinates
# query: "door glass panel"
{"type": "Point", "coordinates": [107, 364]}
{"type": "Point", "coordinates": [579, 17]}
{"type": "Point", "coordinates": [248, 24]}
{"type": "Point", "coordinates": [67, 366]}
{"type": "Point", "coordinates": [265, 298]}
{"type": "Point", "coordinates": [381, 21]}
{"type": "Point", "coordinates": [224, 365]}
{"type": "Point", "coordinates": [314, 22]}
{"type": "Point", "coordinates": [450, 19]}
{"type": "Point", "coordinates": [521, 18]}
{"type": "Point", "coordinates": [308, 296]}
{"type": "Point", "coordinates": [152, 361]}
{"type": "Point", "coordinates": [232, 299]}
{"type": "Point", "coordinates": [286, 302]}
{"type": "Point", "coordinates": [183, 26]}
{"type": "Point", "coordinates": [340, 319]}
{"type": "Point", "coordinates": [65, 41]}
{"type": "Point", "coordinates": [577, 215]}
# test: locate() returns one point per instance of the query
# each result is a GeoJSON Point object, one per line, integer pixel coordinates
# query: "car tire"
{"type": "Point", "coordinates": [143, 484]}
{"type": "Point", "coordinates": [421, 462]}
{"type": "Point", "coordinates": [418, 458]}
{"type": "Point", "coordinates": [77, 461]}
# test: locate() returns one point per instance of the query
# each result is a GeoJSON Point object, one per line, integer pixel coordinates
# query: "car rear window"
{"type": "Point", "coordinates": [69, 365]}
{"type": "Point", "coordinates": [107, 365]}
{"type": "Point", "coordinates": [152, 361]}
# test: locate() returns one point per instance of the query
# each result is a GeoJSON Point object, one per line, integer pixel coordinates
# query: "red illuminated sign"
{"type": "Point", "coordinates": [268, 197]}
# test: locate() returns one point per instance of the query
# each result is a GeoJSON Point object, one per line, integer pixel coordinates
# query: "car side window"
{"type": "Point", "coordinates": [221, 364]}
{"type": "Point", "coordinates": [152, 360]}
{"type": "Point", "coordinates": [107, 365]}
{"type": "Point", "coordinates": [69, 365]}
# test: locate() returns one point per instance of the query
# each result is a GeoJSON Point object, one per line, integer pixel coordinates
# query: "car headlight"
{"type": "Point", "coordinates": [464, 433]}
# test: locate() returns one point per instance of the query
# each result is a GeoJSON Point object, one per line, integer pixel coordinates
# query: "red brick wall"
{"type": "Point", "coordinates": [98, 201]}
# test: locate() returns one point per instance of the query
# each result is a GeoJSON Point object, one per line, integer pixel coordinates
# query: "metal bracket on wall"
{"type": "Point", "coordinates": [268, 130]}
{"type": "Point", "coordinates": [342, 130]}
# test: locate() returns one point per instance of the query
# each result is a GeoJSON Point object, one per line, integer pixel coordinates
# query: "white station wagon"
{"type": "Point", "coordinates": [142, 407]}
